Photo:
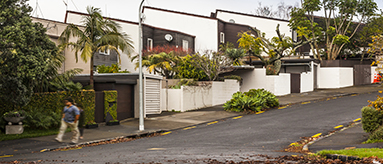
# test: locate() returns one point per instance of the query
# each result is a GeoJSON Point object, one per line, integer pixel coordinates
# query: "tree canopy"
{"type": "Point", "coordinates": [341, 21]}
{"type": "Point", "coordinates": [26, 54]}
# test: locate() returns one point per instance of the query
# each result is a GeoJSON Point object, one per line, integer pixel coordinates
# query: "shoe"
{"type": "Point", "coordinates": [81, 138]}
{"type": "Point", "coordinates": [73, 143]}
{"type": "Point", "coordinates": [58, 140]}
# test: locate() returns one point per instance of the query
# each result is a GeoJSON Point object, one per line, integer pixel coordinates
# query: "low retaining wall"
{"type": "Point", "coordinates": [195, 97]}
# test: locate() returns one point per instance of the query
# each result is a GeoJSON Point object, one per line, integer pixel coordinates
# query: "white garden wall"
{"type": "Point", "coordinates": [335, 77]}
{"type": "Point", "coordinates": [256, 79]}
{"type": "Point", "coordinates": [223, 91]}
{"type": "Point", "coordinates": [307, 82]}
{"type": "Point", "coordinates": [195, 97]}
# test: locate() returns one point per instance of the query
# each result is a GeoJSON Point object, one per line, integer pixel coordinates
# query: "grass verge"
{"type": "Point", "coordinates": [360, 152]}
{"type": "Point", "coordinates": [30, 133]}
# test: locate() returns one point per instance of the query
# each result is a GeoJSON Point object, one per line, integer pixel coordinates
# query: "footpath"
{"type": "Point", "coordinates": [173, 120]}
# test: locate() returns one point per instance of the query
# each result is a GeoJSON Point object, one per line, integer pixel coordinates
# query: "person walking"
{"type": "Point", "coordinates": [81, 120]}
{"type": "Point", "coordinates": [70, 117]}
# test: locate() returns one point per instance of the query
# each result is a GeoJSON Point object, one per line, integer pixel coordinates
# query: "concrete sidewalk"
{"type": "Point", "coordinates": [167, 121]}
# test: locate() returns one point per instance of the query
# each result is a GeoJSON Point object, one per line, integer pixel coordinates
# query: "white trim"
{"type": "Point", "coordinates": [185, 45]}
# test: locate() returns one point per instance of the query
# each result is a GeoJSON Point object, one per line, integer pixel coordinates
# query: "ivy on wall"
{"type": "Point", "coordinates": [53, 101]}
{"type": "Point", "coordinates": [110, 103]}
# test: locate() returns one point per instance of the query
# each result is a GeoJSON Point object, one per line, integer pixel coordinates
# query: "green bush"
{"type": "Point", "coordinates": [377, 134]}
{"type": "Point", "coordinates": [41, 118]}
{"type": "Point", "coordinates": [115, 68]}
{"type": "Point", "coordinates": [371, 119]}
{"type": "Point", "coordinates": [110, 103]}
{"type": "Point", "coordinates": [236, 77]}
{"type": "Point", "coordinates": [253, 100]}
{"type": "Point", "coordinates": [186, 69]}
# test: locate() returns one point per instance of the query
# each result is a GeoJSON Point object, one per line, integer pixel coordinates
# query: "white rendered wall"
{"type": "Point", "coordinates": [335, 77]}
{"type": "Point", "coordinates": [256, 79]}
{"type": "Point", "coordinates": [205, 29]}
{"type": "Point", "coordinates": [307, 82]}
{"type": "Point", "coordinates": [223, 91]}
{"type": "Point", "coordinates": [174, 99]}
{"type": "Point", "coordinates": [281, 84]}
{"type": "Point", "coordinates": [268, 26]}
{"type": "Point", "coordinates": [129, 28]}
{"type": "Point", "coordinates": [194, 97]}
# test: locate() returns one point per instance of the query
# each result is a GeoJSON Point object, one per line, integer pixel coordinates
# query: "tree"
{"type": "Point", "coordinates": [376, 48]}
{"type": "Point", "coordinates": [282, 12]}
{"type": "Point", "coordinates": [276, 48]}
{"type": "Point", "coordinates": [162, 63]}
{"type": "Point", "coordinates": [99, 34]}
{"type": "Point", "coordinates": [187, 69]}
{"type": "Point", "coordinates": [338, 21]}
{"type": "Point", "coordinates": [213, 64]}
{"type": "Point", "coordinates": [26, 54]}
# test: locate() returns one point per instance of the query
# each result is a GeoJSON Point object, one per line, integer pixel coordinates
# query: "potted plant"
{"type": "Point", "coordinates": [113, 122]}
{"type": "Point", "coordinates": [14, 116]}
{"type": "Point", "coordinates": [91, 125]}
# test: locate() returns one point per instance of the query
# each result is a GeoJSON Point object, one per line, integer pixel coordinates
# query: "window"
{"type": "Point", "coordinates": [222, 37]}
{"type": "Point", "coordinates": [107, 52]}
{"type": "Point", "coordinates": [185, 45]}
{"type": "Point", "coordinates": [150, 44]}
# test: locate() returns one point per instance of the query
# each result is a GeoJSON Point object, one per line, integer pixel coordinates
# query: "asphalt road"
{"type": "Point", "coordinates": [232, 139]}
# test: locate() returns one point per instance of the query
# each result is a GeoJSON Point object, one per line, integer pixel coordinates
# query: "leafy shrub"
{"type": "Point", "coordinates": [115, 68]}
{"type": "Point", "coordinates": [185, 82]}
{"type": "Point", "coordinates": [41, 118]}
{"type": "Point", "coordinates": [253, 100]}
{"type": "Point", "coordinates": [186, 69]}
{"type": "Point", "coordinates": [377, 134]}
{"type": "Point", "coordinates": [377, 104]}
{"type": "Point", "coordinates": [236, 77]}
{"type": "Point", "coordinates": [371, 119]}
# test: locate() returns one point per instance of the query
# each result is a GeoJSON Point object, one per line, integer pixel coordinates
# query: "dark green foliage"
{"type": "Point", "coordinates": [115, 68]}
{"type": "Point", "coordinates": [27, 56]}
{"type": "Point", "coordinates": [253, 100]}
{"type": "Point", "coordinates": [186, 69]}
{"type": "Point", "coordinates": [41, 118]}
{"type": "Point", "coordinates": [371, 119]}
{"type": "Point", "coordinates": [110, 103]}
{"type": "Point", "coordinates": [377, 134]}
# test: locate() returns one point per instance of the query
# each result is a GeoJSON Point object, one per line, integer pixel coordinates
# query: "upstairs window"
{"type": "Point", "coordinates": [107, 52]}
{"type": "Point", "coordinates": [150, 44]}
{"type": "Point", "coordinates": [222, 37]}
{"type": "Point", "coordinates": [185, 45]}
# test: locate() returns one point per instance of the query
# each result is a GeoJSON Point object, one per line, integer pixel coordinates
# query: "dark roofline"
{"type": "Point", "coordinates": [235, 23]}
{"type": "Point", "coordinates": [115, 19]}
{"type": "Point", "coordinates": [49, 20]}
{"type": "Point", "coordinates": [169, 30]}
{"type": "Point", "coordinates": [249, 15]}
{"type": "Point", "coordinates": [177, 12]}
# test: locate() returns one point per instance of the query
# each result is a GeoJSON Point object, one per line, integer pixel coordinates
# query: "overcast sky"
{"type": "Point", "coordinates": [128, 9]}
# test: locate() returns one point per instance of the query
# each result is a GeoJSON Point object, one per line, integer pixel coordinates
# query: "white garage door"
{"type": "Point", "coordinates": [152, 96]}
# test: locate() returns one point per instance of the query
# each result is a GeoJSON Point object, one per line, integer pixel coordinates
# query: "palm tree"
{"type": "Point", "coordinates": [99, 34]}
{"type": "Point", "coordinates": [235, 55]}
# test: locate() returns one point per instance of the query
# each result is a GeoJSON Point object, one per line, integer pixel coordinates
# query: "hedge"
{"type": "Point", "coordinates": [53, 101]}
{"type": "Point", "coordinates": [110, 103]}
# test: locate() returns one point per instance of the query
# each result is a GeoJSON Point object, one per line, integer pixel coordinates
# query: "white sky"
{"type": "Point", "coordinates": [128, 9]}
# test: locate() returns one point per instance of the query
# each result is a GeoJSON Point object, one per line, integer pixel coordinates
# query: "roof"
{"type": "Point", "coordinates": [169, 30]}
{"type": "Point", "coordinates": [251, 15]}
{"type": "Point", "coordinates": [115, 19]}
{"type": "Point", "coordinates": [122, 78]}
{"type": "Point", "coordinates": [177, 12]}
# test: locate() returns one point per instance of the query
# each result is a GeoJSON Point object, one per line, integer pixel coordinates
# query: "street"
{"type": "Point", "coordinates": [237, 139]}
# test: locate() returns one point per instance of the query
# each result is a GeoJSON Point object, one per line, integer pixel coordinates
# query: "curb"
{"type": "Point", "coordinates": [103, 140]}
{"type": "Point", "coordinates": [306, 147]}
